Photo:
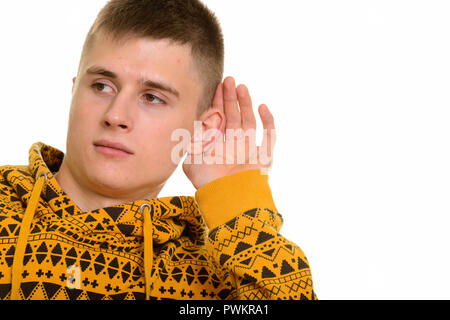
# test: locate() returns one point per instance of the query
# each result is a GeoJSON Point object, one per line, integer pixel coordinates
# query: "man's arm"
{"type": "Point", "coordinates": [245, 242]}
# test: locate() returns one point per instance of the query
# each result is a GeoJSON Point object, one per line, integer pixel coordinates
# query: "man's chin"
{"type": "Point", "coordinates": [109, 181]}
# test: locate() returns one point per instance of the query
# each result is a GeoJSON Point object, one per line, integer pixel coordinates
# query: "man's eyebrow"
{"type": "Point", "coordinates": [148, 83]}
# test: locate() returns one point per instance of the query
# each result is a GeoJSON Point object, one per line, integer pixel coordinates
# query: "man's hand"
{"type": "Point", "coordinates": [232, 150]}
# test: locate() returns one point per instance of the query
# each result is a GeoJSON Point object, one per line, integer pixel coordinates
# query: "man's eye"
{"type": "Point", "coordinates": [100, 87]}
{"type": "Point", "coordinates": [153, 99]}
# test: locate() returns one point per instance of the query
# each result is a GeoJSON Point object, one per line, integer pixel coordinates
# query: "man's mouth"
{"type": "Point", "coordinates": [110, 148]}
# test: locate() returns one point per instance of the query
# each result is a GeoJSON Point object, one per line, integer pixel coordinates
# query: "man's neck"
{"type": "Point", "coordinates": [87, 199]}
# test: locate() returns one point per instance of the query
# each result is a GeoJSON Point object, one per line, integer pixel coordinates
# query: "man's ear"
{"type": "Point", "coordinates": [213, 118]}
{"type": "Point", "coordinates": [213, 121]}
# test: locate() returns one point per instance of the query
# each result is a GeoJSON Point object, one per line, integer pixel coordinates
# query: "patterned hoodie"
{"type": "Point", "coordinates": [160, 248]}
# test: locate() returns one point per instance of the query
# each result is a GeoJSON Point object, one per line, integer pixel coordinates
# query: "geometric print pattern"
{"type": "Point", "coordinates": [264, 264]}
{"type": "Point", "coordinates": [245, 258]}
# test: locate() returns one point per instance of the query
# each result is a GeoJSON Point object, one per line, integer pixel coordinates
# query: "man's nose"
{"type": "Point", "coordinates": [118, 114]}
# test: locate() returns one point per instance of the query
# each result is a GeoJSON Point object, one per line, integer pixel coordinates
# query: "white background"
{"type": "Point", "coordinates": [360, 94]}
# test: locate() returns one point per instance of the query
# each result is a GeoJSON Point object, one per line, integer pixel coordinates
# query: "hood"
{"type": "Point", "coordinates": [138, 227]}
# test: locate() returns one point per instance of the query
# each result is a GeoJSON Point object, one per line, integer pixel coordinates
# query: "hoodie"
{"type": "Point", "coordinates": [224, 243]}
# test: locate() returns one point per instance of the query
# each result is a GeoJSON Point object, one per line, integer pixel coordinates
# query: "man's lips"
{"type": "Point", "coordinates": [113, 145]}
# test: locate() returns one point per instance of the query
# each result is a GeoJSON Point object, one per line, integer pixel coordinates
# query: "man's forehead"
{"type": "Point", "coordinates": [167, 48]}
{"type": "Point", "coordinates": [148, 52]}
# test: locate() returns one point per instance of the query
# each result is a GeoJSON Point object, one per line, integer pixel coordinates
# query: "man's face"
{"type": "Point", "coordinates": [134, 93]}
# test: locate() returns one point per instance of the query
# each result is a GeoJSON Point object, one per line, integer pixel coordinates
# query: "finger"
{"type": "Point", "coordinates": [266, 117]}
{"type": "Point", "coordinates": [218, 98]}
{"type": "Point", "coordinates": [231, 107]}
{"type": "Point", "coordinates": [248, 120]}
{"type": "Point", "coordinates": [269, 135]}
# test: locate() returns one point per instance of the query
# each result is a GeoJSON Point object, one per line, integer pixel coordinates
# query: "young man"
{"type": "Point", "coordinates": [88, 224]}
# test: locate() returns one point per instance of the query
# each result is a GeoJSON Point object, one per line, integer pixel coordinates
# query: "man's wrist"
{"type": "Point", "coordinates": [225, 198]}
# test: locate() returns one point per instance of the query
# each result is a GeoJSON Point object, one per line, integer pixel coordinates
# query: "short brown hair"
{"type": "Point", "coordinates": [182, 21]}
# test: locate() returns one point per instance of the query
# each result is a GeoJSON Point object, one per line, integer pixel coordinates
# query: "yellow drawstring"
{"type": "Point", "coordinates": [23, 236]}
{"type": "Point", "coordinates": [148, 247]}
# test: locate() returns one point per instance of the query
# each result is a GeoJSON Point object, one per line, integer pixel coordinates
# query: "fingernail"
{"type": "Point", "coordinates": [242, 89]}
{"type": "Point", "coordinates": [231, 80]}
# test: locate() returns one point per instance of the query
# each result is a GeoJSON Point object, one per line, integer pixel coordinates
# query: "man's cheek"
{"type": "Point", "coordinates": [161, 153]}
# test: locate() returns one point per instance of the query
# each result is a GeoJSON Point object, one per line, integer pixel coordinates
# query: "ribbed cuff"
{"type": "Point", "coordinates": [225, 198]}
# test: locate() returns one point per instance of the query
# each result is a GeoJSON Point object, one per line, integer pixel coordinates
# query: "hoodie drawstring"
{"type": "Point", "coordinates": [148, 246]}
{"type": "Point", "coordinates": [19, 252]}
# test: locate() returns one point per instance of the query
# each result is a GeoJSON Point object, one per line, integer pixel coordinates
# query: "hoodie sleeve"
{"type": "Point", "coordinates": [244, 240]}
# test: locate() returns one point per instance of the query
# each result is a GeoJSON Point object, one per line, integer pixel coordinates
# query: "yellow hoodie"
{"type": "Point", "coordinates": [159, 248]}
